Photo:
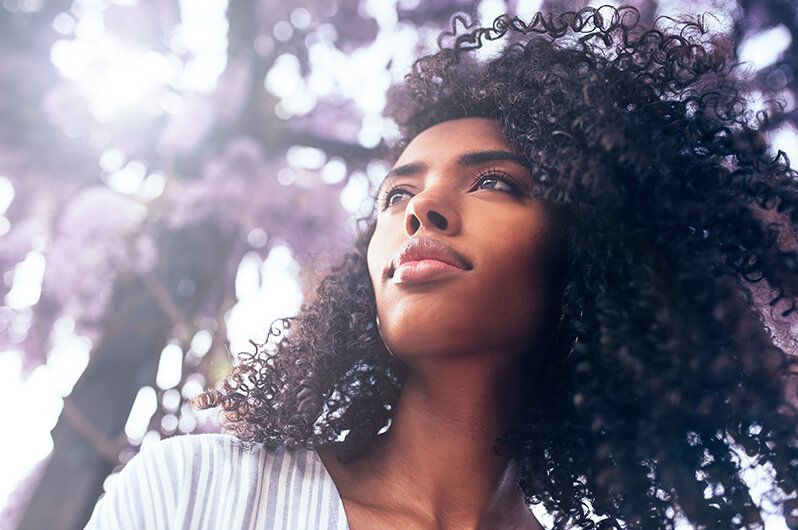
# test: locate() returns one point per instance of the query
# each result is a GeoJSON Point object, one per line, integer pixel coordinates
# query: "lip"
{"type": "Point", "coordinates": [422, 259]}
{"type": "Point", "coordinates": [424, 271]}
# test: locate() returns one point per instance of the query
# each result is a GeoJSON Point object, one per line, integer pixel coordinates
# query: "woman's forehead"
{"type": "Point", "coordinates": [452, 138]}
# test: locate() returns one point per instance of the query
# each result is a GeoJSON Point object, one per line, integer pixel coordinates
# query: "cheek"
{"type": "Point", "coordinates": [376, 256]}
{"type": "Point", "coordinates": [512, 278]}
{"type": "Point", "coordinates": [521, 262]}
{"type": "Point", "coordinates": [516, 282]}
{"type": "Point", "coordinates": [371, 260]}
{"type": "Point", "coordinates": [525, 248]}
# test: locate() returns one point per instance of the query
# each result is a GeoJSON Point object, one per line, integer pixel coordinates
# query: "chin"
{"type": "Point", "coordinates": [416, 349]}
{"type": "Point", "coordinates": [427, 338]}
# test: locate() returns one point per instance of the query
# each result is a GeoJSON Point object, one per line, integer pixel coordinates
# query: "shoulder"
{"type": "Point", "coordinates": [207, 479]}
{"type": "Point", "coordinates": [146, 492]}
{"type": "Point", "coordinates": [198, 458]}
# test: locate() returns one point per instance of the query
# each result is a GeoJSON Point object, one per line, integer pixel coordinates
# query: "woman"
{"type": "Point", "coordinates": [554, 301]}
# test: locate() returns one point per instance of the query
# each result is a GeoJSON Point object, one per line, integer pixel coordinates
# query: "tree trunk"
{"type": "Point", "coordinates": [123, 361]}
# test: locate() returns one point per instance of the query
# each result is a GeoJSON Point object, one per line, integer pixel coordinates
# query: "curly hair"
{"type": "Point", "coordinates": [674, 215]}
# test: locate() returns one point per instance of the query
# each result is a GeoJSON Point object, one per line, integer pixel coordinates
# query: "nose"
{"type": "Point", "coordinates": [432, 211]}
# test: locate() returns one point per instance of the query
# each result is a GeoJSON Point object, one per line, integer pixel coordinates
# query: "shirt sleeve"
{"type": "Point", "coordinates": [144, 494]}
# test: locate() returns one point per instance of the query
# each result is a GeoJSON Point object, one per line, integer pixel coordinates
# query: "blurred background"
{"type": "Point", "coordinates": [175, 174]}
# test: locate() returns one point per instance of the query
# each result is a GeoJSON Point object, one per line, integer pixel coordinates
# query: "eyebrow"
{"type": "Point", "coordinates": [474, 158]}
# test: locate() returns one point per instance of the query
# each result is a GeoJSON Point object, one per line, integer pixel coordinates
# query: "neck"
{"type": "Point", "coordinates": [438, 447]}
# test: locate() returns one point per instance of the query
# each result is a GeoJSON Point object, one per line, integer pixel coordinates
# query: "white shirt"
{"type": "Point", "coordinates": [210, 481]}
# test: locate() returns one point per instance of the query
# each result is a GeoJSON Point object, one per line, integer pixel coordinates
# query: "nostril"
{"type": "Point", "coordinates": [438, 220]}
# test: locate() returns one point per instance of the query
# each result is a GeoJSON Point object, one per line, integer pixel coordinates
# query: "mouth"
{"type": "Point", "coordinates": [423, 259]}
{"type": "Point", "coordinates": [423, 271]}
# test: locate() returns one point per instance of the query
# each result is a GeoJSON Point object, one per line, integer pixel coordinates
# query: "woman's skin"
{"type": "Point", "coordinates": [462, 337]}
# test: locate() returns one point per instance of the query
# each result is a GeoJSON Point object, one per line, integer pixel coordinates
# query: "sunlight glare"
{"type": "Point", "coordinates": [170, 367]}
{"type": "Point", "coordinates": [265, 292]}
{"type": "Point", "coordinates": [766, 47]}
{"type": "Point", "coordinates": [6, 194]}
{"type": "Point", "coordinates": [27, 286]}
{"type": "Point", "coordinates": [144, 406]}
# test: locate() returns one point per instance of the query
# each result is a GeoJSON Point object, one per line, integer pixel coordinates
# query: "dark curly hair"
{"type": "Point", "coordinates": [675, 216]}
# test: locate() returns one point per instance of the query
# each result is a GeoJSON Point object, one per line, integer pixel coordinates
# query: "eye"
{"type": "Point", "coordinates": [497, 180]}
{"type": "Point", "coordinates": [389, 198]}
{"type": "Point", "coordinates": [491, 179]}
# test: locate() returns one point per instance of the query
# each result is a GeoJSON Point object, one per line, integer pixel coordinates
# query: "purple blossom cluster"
{"type": "Point", "coordinates": [240, 189]}
{"type": "Point", "coordinates": [99, 235]}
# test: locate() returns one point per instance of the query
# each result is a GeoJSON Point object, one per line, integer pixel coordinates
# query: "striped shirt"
{"type": "Point", "coordinates": [211, 481]}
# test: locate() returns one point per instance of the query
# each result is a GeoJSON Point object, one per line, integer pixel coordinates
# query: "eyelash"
{"type": "Point", "coordinates": [515, 187]}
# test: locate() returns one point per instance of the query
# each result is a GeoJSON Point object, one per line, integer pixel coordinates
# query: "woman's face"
{"type": "Point", "coordinates": [459, 183]}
